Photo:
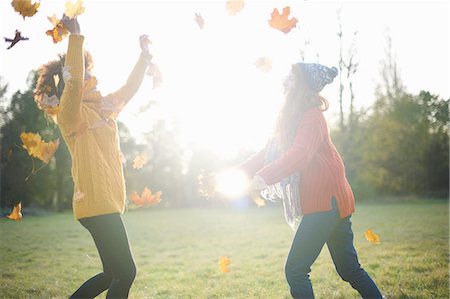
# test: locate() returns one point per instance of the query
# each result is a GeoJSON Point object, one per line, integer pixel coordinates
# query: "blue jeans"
{"type": "Point", "coordinates": [313, 232]}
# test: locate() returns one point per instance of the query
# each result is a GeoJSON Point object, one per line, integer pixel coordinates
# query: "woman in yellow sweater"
{"type": "Point", "coordinates": [87, 121]}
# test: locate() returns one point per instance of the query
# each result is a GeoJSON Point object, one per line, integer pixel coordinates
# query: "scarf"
{"type": "Point", "coordinates": [286, 190]}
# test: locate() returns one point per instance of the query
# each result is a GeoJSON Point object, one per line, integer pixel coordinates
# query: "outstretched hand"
{"type": "Point", "coordinates": [71, 24]}
{"type": "Point", "coordinates": [144, 41]}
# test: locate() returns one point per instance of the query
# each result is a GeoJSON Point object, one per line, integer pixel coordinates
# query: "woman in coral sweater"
{"type": "Point", "coordinates": [87, 121]}
{"type": "Point", "coordinates": [301, 166]}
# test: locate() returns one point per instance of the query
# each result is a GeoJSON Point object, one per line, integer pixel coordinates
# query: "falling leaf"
{"type": "Point", "coordinates": [206, 184]}
{"type": "Point", "coordinates": [38, 148]}
{"type": "Point", "coordinates": [146, 198]}
{"type": "Point", "coordinates": [264, 64]}
{"type": "Point", "coordinates": [74, 9]}
{"type": "Point", "coordinates": [140, 161]}
{"type": "Point", "coordinates": [77, 196]}
{"type": "Point", "coordinates": [259, 201]}
{"type": "Point", "coordinates": [17, 38]}
{"type": "Point", "coordinates": [59, 31]}
{"type": "Point", "coordinates": [16, 213]}
{"type": "Point", "coordinates": [234, 6]}
{"type": "Point", "coordinates": [282, 22]}
{"type": "Point", "coordinates": [224, 263]}
{"type": "Point", "coordinates": [372, 237]}
{"type": "Point", "coordinates": [25, 7]}
{"type": "Point", "coordinates": [153, 70]}
{"type": "Point", "coordinates": [199, 20]}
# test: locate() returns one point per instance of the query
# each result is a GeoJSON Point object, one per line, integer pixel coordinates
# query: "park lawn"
{"type": "Point", "coordinates": [177, 253]}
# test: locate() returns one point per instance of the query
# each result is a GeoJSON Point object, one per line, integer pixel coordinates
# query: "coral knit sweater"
{"type": "Point", "coordinates": [92, 138]}
{"type": "Point", "coordinates": [314, 156]}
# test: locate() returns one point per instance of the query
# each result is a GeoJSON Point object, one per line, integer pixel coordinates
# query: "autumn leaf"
{"type": "Point", "coordinates": [264, 64]}
{"type": "Point", "coordinates": [234, 6]}
{"type": "Point", "coordinates": [146, 198]}
{"type": "Point", "coordinates": [259, 201]}
{"type": "Point", "coordinates": [372, 237]}
{"type": "Point", "coordinates": [199, 20]}
{"type": "Point", "coordinates": [74, 9]}
{"type": "Point", "coordinates": [25, 7]}
{"type": "Point", "coordinates": [59, 31]}
{"type": "Point", "coordinates": [38, 148]}
{"type": "Point", "coordinates": [282, 22]}
{"type": "Point", "coordinates": [224, 264]}
{"type": "Point", "coordinates": [206, 184]}
{"type": "Point", "coordinates": [140, 161]}
{"type": "Point", "coordinates": [16, 213]}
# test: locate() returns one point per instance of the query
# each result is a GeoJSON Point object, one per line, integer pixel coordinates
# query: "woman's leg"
{"type": "Point", "coordinates": [119, 270]}
{"type": "Point", "coordinates": [313, 232]}
{"type": "Point", "coordinates": [343, 253]}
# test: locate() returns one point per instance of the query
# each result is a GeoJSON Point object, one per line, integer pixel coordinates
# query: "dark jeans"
{"type": "Point", "coordinates": [119, 270]}
{"type": "Point", "coordinates": [313, 232]}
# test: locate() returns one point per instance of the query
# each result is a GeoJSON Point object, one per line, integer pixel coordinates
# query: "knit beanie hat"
{"type": "Point", "coordinates": [318, 75]}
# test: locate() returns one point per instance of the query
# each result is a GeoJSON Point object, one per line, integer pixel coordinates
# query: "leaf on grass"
{"type": "Point", "coordinates": [372, 237]}
{"type": "Point", "coordinates": [25, 7]}
{"type": "Point", "coordinates": [224, 264]}
{"type": "Point", "coordinates": [282, 22]}
{"type": "Point", "coordinates": [59, 31]}
{"type": "Point", "coordinates": [264, 64]}
{"type": "Point", "coordinates": [199, 20]}
{"type": "Point", "coordinates": [74, 9]}
{"type": "Point", "coordinates": [140, 161]}
{"type": "Point", "coordinates": [16, 213]}
{"type": "Point", "coordinates": [234, 6]}
{"type": "Point", "coordinates": [146, 198]}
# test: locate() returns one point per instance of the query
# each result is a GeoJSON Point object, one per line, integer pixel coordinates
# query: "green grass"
{"type": "Point", "coordinates": [177, 253]}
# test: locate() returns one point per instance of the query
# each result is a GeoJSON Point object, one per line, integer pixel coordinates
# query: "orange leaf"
{"type": "Point", "coordinates": [31, 142]}
{"type": "Point", "coordinates": [25, 8]}
{"type": "Point", "coordinates": [59, 31]}
{"type": "Point", "coordinates": [140, 161]}
{"type": "Point", "coordinates": [224, 263]}
{"type": "Point", "coordinates": [372, 237]}
{"type": "Point", "coordinates": [234, 6]}
{"type": "Point", "coordinates": [146, 197]}
{"type": "Point", "coordinates": [282, 22]}
{"type": "Point", "coordinates": [16, 213]}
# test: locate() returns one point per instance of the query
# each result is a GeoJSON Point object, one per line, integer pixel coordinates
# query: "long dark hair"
{"type": "Point", "coordinates": [298, 99]}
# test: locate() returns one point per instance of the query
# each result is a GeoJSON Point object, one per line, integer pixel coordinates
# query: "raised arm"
{"type": "Point", "coordinates": [117, 100]}
{"type": "Point", "coordinates": [70, 102]}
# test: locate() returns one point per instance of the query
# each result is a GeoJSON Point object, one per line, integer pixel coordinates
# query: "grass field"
{"type": "Point", "coordinates": [177, 253]}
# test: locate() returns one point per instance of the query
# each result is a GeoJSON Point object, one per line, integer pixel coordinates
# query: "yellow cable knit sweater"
{"type": "Point", "coordinates": [90, 131]}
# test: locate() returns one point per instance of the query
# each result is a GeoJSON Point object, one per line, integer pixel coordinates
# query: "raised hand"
{"type": "Point", "coordinates": [71, 24]}
{"type": "Point", "coordinates": [144, 41]}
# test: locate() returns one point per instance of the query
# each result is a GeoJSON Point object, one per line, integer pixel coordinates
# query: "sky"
{"type": "Point", "coordinates": [211, 86]}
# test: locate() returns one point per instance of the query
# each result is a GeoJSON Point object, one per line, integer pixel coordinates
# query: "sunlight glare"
{"type": "Point", "coordinates": [232, 183]}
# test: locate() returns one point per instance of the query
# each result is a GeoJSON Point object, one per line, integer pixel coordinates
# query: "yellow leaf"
{"type": "Point", "coordinates": [47, 150]}
{"type": "Point", "coordinates": [140, 161]}
{"type": "Point", "coordinates": [224, 264]}
{"type": "Point", "coordinates": [31, 143]}
{"type": "Point", "coordinates": [74, 9]}
{"type": "Point", "coordinates": [25, 7]}
{"type": "Point", "coordinates": [16, 213]}
{"type": "Point", "coordinates": [372, 237]}
{"type": "Point", "coordinates": [234, 6]}
{"type": "Point", "coordinates": [259, 201]}
{"type": "Point", "coordinates": [282, 22]}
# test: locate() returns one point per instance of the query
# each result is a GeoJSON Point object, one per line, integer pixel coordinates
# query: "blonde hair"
{"type": "Point", "coordinates": [299, 98]}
